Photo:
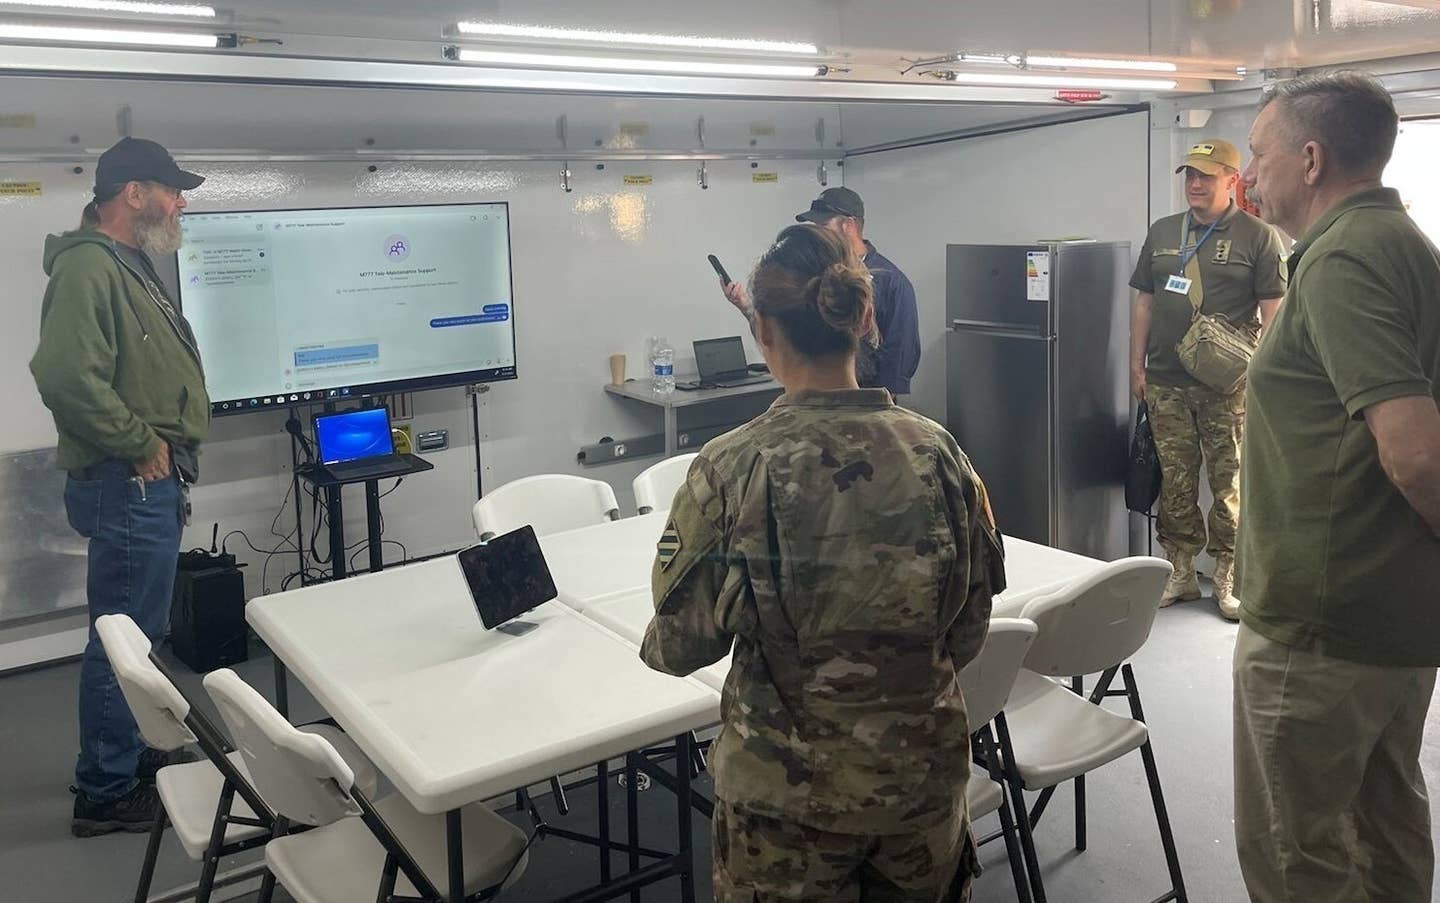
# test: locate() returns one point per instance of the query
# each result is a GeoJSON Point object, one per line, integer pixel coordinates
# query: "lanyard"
{"type": "Point", "coordinates": [1185, 236]}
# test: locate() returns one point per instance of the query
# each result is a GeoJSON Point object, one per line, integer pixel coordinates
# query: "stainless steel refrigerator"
{"type": "Point", "coordinates": [1038, 382]}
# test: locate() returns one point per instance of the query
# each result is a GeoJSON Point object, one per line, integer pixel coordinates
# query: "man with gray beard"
{"type": "Point", "coordinates": [118, 368]}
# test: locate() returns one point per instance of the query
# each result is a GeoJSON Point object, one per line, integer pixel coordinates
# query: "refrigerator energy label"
{"type": "Point", "coordinates": [1037, 275]}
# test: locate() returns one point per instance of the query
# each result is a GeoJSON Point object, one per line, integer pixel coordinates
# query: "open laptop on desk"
{"type": "Point", "coordinates": [357, 444]}
{"type": "Point", "coordinates": [721, 363]}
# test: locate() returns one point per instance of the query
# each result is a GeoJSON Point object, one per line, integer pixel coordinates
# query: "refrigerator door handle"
{"type": "Point", "coordinates": [1000, 330]}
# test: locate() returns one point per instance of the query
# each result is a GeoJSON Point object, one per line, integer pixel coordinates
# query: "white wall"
{"type": "Point", "coordinates": [595, 272]}
{"type": "Point", "coordinates": [1085, 179]}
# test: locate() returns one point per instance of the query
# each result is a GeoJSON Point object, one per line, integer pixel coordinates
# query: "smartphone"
{"type": "Point", "coordinates": [507, 576]}
{"type": "Point", "coordinates": [719, 270]}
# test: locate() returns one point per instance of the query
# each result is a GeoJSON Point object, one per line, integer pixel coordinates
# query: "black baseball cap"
{"type": "Point", "coordinates": [139, 160]}
{"type": "Point", "coordinates": [831, 203]}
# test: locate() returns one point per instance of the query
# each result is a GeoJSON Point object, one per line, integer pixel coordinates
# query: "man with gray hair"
{"type": "Point", "coordinates": [1339, 551]}
{"type": "Point", "coordinates": [118, 367]}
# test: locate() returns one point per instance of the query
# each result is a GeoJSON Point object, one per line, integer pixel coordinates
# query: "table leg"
{"type": "Point", "coordinates": [282, 687]}
{"type": "Point", "coordinates": [632, 817]}
{"type": "Point", "coordinates": [684, 749]}
{"type": "Point", "coordinates": [672, 430]}
{"type": "Point", "coordinates": [335, 511]}
{"type": "Point", "coordinates": [456, 856]}
{"type": "Point", "coordinates": [602, 794]}
{"type": "Point", "coordinates": [372, 525]}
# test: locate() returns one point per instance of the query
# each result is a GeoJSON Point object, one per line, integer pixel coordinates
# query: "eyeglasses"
{"type": "Point", "coordinates": [170, 190]}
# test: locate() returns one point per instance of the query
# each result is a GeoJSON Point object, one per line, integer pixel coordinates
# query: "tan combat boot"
{"type": "Point", "coordinates": [1224, 581]}
{"type": "Point", "coordinates": [1183, 585]}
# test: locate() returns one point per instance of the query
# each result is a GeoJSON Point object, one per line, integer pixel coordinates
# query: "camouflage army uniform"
{"type": "Point", "coordinates": [1189, 420]}
{"type": "Point", "coordinates": [1238, 264]}
{"type": "Point", "coordinates": [844, 545]}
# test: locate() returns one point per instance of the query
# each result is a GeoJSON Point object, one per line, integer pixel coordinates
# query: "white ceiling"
{"type": "Point", "coordinates": [208, 116]}
{"type": "Point", "coordinates": [1257, 33]}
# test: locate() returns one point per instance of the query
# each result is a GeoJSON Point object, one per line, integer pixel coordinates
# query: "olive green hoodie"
{"type": "Point", "coordinates": [119, 373]}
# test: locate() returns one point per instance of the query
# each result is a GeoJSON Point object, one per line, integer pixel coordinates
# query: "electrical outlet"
{"type": "Point", "coordinates": [404, 437]}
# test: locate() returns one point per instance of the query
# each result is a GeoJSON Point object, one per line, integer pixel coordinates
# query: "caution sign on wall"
{"type": "Point", "coordinates": [20, 189]}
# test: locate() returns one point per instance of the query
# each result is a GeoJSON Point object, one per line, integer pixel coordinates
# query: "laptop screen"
{"type": "Point", "coordinates": [716, 356]}
{"type": "Point", "coordinates": [353, 435]}
{"type": "Point", "coordinates": [507, 576]}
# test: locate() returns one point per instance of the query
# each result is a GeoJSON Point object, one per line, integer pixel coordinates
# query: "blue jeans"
{"type": "Point", "coordinates": [134, 543]}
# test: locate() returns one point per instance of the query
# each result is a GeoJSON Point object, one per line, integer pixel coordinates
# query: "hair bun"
{"type": "Point", "coordinates": [843, 298]}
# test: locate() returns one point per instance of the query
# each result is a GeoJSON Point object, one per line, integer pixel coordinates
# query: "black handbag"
{"type": "Point", "coordinates": [1142, 473]}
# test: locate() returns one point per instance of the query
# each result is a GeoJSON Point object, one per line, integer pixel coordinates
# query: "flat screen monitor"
{"type": "Point", "coordinates": [297, 306]}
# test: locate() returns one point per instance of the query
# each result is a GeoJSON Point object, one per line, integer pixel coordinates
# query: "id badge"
{"type": "Point", "coordinates": [1179, 285]}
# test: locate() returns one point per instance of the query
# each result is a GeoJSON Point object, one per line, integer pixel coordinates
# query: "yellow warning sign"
{"type": "Point", "coordinates": [639, 180]}
{"type": "Point", "coordinates": [759, 177]}
{"type": "Point", "coordinates": [17, 120]}
{"type": "Point", "coordinates": [762, 129]}
{"type": "Point", "coordinates": [20, 189]}
{"type": "Point", "coordinates": [635, 129]}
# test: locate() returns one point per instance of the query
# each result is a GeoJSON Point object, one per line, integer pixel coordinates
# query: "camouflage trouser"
{"type": "Point", "coordinates": [764, 860]}
{"type": "Point", "coordinates": [1187, 421]}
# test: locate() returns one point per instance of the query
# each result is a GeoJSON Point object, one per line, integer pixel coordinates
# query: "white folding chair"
{"type": "Point", "coordinates": [358, 849]}
{"type": "Point", "coordinates": [656, 487]}
{"type": "Point", "coordinates": [197, 798]}
{"type": "Point", "coordinates": [1050, 733]}
{"type": "Point", "coordinates": [550, 503]}
{"type": "Point", "coordinates": [985, 683]}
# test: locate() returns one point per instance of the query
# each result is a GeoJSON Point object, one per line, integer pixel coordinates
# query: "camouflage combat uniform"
{"type": "Point", "coordinates": [845, 546]}
{"type": "Point", "coordinates": [1239, 265]}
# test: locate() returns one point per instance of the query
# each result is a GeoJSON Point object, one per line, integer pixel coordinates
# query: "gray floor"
{"type": "Point", "coordinates": [1184, 678]}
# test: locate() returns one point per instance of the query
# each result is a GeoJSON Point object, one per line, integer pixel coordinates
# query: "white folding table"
{"type": "Point", "coordinates": [454, 714]}
{"type": "Point", "coordinates": [1033, 570]}
{"type": "Point", "coordinates": [604, 559]}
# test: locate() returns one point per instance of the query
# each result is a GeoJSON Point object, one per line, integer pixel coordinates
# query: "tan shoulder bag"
{"type": "Point", "coordinates": [1212, 350]}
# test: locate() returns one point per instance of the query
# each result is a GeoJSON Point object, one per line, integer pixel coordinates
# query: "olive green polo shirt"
{"type": "Point", "coordinates": [1331, 557]}
{"type": "Point", "coordinates": [1240, 264]}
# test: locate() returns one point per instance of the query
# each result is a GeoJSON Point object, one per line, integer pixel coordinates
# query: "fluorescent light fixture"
{"type": "Point", "coordinates": [58, 34]}
{"type": "Point", "coordinates": [120, 6]}
{"type": "Point", "coordinates": [635, 39]}
{"type": "Point", "coordinates": [1023, 80]}
{"type": "Point", "coordinates": [633, 64]}
{"type": "Point", "coordinates": [990, 59]}
{"type": "Point", "coordinates": [1084, 62]}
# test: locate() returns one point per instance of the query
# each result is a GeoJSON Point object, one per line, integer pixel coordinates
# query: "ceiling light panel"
{"type": "Point", "coordinates": [1081, 62]}
{"type": "Point", "coordinates": [631, 39]}
{"type": "Point", "coordinates": [118, 6]}
{"type": "Point", "coordinates": [1036, 80]}
{"type": "Point", "coordinates": [58, 34]}
{"type": "Point", "coordinates": [629, 64]}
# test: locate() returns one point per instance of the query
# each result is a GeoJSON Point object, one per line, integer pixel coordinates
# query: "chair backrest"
{"type": "Point", "coordinates": [656, 487]}
{"type": "Point", "coordinates": [1097, 622]}
{"type": "Point", "coordinates": [299, 774]}
{"type": "Point", "coordinates": [160, 709]}
{"type": "Point", "coordinates": [551, 503]}
{"type": "Point", "coordinates": [988, 679]}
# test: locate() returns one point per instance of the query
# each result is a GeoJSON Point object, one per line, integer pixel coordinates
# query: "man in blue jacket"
{"type": "Point", "coordinates": [890, 362]}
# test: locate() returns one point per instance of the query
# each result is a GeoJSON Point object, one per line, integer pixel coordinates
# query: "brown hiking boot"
{"type": "Point", "coordinates": [1183, 585]}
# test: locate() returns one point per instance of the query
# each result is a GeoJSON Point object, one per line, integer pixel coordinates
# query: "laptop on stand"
{"type": "Point", "coordinates": [721, 363]}
{"type": "Point", "coordinates": [355, 445]}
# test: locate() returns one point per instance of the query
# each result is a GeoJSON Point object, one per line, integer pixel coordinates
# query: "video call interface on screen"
{"type": "Point", "coordinates": [308, 305]}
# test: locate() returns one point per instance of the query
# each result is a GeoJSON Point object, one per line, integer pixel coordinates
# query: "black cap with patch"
{"type": "Point", "coordinates": [831, 203]}
{"type": "Point", "coordinates": [139, 160]}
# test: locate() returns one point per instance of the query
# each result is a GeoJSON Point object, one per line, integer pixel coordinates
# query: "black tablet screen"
{"type": "Point", "coordinates": [507, 576]}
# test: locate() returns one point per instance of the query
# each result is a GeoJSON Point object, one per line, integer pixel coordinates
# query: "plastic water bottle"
{"type": "Point", "coordinates": [662, 364]}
